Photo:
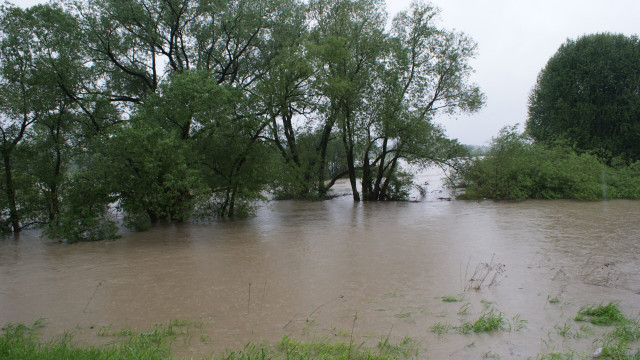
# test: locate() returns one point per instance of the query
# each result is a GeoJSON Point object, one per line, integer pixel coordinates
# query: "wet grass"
{"type": "Point", "coordinates": [567, 331]}
{"type": "Point", "coordinates": [18, 341]}
{"type": "Point", "coordinates": [453, 299]}
{"type": "Point", "coordinates": [602, 314]}
{"type": "Point", "coordinates": [614, 344]}
{"type": "Point", "coordinates": [21, 342]}
{"type": "Point", "coordinates": [490, 320]}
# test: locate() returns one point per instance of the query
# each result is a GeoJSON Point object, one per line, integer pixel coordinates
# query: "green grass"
{"type": "Point", "coordinates": [552, 300]}
{"type": "Point", "coordinates": [403, 315]}
{"type": "Point", "coordinates": [21, 342]}
{"type": "Point", "coordinates": [441, 328]}
{"type": "Point", "coordinates": [614, 344]}
{"type": "Point", "coordinates": [490, 320]}
{"type": "Point", "coordinates": [602, 314]}
{"type": "Point", "coordinates": [452, 299]}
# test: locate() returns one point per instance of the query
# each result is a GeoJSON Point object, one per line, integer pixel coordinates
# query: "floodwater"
{"type": "Point", "coordinates": [329, 269]}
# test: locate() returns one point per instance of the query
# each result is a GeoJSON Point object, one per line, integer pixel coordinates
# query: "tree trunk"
{"type": "Point", "coordinates": [366, 177]}
{"type": "Point", "coordinates": [14, 216]}
{"type": "Point", "coordinates": [54, 210]}
{"type": "Point", "coordinates": [322, 148]}
{"type": "Point", "coordinates": [232, 202]}
{"type": "Point", "coordinates": [348, 146]}
{"type": "Point", "coordinates": [380, 174]}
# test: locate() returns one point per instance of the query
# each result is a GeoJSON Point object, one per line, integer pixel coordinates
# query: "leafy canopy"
{"type": "Point", "coordinates": [589, 95]}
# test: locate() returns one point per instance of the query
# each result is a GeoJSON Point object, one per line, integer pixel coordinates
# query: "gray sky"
{"type": "Point", "coordinates": [515, 40]}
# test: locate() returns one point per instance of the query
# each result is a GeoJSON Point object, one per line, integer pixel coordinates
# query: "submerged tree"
{"type": "Point", "coordinates": [426, 72]}
{"type": "Point", "coordinates": [170, 109]}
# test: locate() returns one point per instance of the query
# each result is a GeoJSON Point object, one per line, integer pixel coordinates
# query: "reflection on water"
{"type": "Point", "coordinates": [306, 268]}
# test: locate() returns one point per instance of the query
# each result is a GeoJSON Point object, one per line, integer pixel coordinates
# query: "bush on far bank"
{"type": "Point", "coordinates": [517, 169]}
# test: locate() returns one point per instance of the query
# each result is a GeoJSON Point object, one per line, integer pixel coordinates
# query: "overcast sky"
{"type": "Point", "coordinates": [515, 40]}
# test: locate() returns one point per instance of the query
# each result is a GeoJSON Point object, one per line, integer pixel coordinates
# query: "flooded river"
{"type": "Point", "coordinates": [306, 269]}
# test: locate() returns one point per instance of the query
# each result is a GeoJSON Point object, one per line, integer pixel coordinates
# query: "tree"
{"type": "Point", "coordinates": [426, 72]}
{"type": "Point", "coordinates": [348, 47]}
{"type": "Point", "coordinates": [38, 64]}
{"type": "Point", "coordinates": [589, 95]}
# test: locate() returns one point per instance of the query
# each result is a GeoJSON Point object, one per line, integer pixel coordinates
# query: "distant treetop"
{"type": "Point", "coordinates": [588, 95]}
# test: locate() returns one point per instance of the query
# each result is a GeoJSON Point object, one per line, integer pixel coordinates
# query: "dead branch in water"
{"type": "Point", "coordinates": [91, 298]}
{"type": "Point", "coordinates": [485, 274]}
{"type": "Point", "coordinates": [600, 273]}
{"type": "Point", "coordinates": [249, 299]}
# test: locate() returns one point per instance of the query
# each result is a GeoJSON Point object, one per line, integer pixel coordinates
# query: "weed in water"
{"type": "Point", "coordinates": [489, 321]}
{"type": "Point", "coordinates": [565, 330]}
{"type": "Point", "coordinates": [392, 294]}
{"type": "Point", "coordinates": [614, 344]}
{"type": "Point", "coordinates": [552, 300]}
{"type": "Point", "coordinates": [602, 314]}
{"type": "Point", "coordinates": [464, 310]}
{"type": "Point", "coordinates": [490, 355]}
{"type": "Point", "coordinates": [518, 324]}
{"type": "Point", "coordinates": [465, 328]}
{"type": "Point", "coordinates": [205, 339]}
{"type": "Point", "coordinates": [450, 298]}
{"type": "Point", "coordinates": [585, 331]}
{"type": "Point", "coordinates": [440, 329]}
{"type": "Point", "coordinates": [403, 315]}
{"type": "Point", "coordinates": [629, 332]}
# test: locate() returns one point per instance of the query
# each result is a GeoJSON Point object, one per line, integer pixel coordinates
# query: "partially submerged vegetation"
{"type": "Point", "coordinates": [581, 138]}
{"type": "Point", "coordinates": [489, 320]}
{"type": "Point", "coordinates": [609, 314]}
{"type": "Point", "coordinates": [515, 168]}
{"type": "Point", "coordinates": [22, 342]}
{"type": "Point", "coordinates": [620, 343]}
{"type": "Point", "coordinates": [170, 110]}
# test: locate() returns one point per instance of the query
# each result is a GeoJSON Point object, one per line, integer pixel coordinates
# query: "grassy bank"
{"type": "Point", "coordinates": [19, 341]}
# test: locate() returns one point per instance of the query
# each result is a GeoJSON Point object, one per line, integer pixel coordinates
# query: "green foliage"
{"type": "Point", "coordinates": [149, 170]}
{"type": "Point", "coordinates": [609, 314]}
{"type": "Point", "coordinates": [85, 214]}
{"type": "Point", "coordinates": [450, 298]}
{"type": "Point", "coordinates": [516, 169]}
{"type": "Point", "coordinates": [292, 349]}
{"type": "Point", "coordinates": [489, 320]}
{"type": "Point", "coordinates": [614, 344]}
{"type": "Point", "coordinates": [168, 115]}
{"type": "Point", "coordinates": [587, 94]}
{"type": "Point", "coordinates": [22, 342]}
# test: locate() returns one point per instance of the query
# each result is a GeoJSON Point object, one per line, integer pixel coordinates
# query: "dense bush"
{"type": "Point", "coordinates": [516, 169]}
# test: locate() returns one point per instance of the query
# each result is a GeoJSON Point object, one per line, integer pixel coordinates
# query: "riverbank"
{"type": "Point", "coordinates": [620, 341]}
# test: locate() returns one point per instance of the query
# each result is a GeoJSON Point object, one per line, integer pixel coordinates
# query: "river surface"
{"type": "Point", "coordinates": [329, 269]}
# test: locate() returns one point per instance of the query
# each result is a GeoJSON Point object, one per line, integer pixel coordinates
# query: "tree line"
{"type": "Point", "coordinates": [174, 109]}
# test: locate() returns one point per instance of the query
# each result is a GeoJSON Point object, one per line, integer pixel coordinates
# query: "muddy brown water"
{"type": "Point", "coordinates": [306, 269]}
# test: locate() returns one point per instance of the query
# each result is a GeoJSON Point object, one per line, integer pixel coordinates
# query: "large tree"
{"type": "Point", "coordinates": [589, 95]}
